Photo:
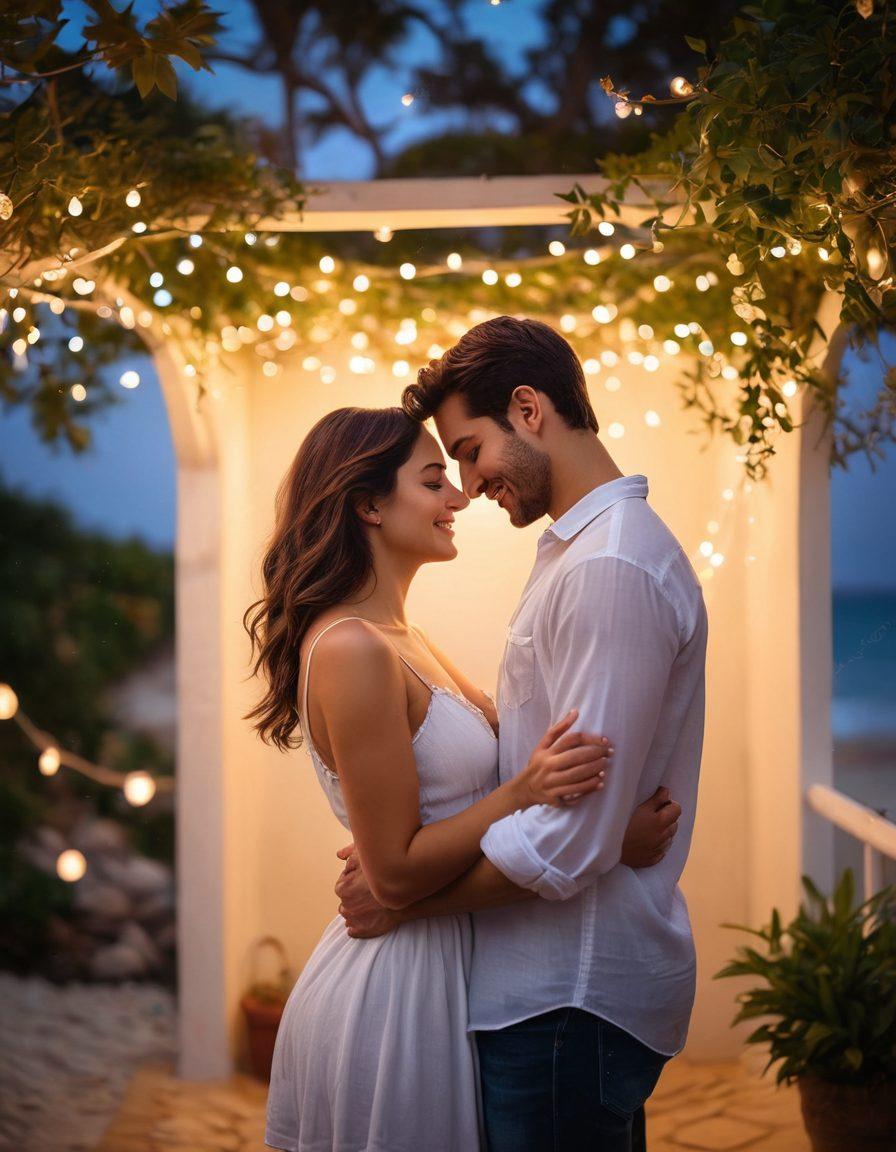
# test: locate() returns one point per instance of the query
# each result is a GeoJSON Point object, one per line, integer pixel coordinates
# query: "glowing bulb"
{"type": "Point", "coordinates": [705, 347]}
{"type": "Point", "coordinates": [361, 364]}
{"type": "Point", "coordinates": [679, 86]}
{"type": "Point", "coordinates": [454, 261]}
{"type": "Point", "coordinates": [556, 248]}
{"type": "Point", "coordinates": [671, 347]}
{"type": "Point", "coordinates": [567, 322]}
{"type": "Point", "coordinates": [717, 559]}
{"type": "Point", "coordinates": [739, 339]}
{"type": "Point", "coordinates": [361, 283]}
{"type": "Point", "coordinates": [83, 287]}
{"type": "Point", "coordinates": [702, 283]}
{"type": "Point", "coordinates": [616, 430]}
{"type": "Point", "coordinates": [407, 271]}
{"type": "Point", "coordinates": [876, 263]}
{"type": "Point", "coordinates": [360, 340]}
{"type": "Point", "coordinates": [79, 393]}
{"type": "Point", "coordinates": [789, 388]}
{"type": "Point", "coordinates": [19, 314]}
{"type": "Point", "coordinates": [728, 494]}
{"type": "Point", "coordinates": [265, 323]}
{"type": "Point", "coordinates": [139, 226]}
{"type": "Point", "coordinates": [327, 265]}
{"type": "Point", "coordinates": [162, 298]}
{"type": "Point", "coordinates": [75, 207]}
{"type": "Point", "coordinates": [57, 306]}
{"type": "Point", "coordinates": [281, 288]}
{"type": "Point", "coordinates": [185, 266]}
{"type": "Point", "coordinates": [269, 368]}
{"type": "Point", "coordinates": [652, 419]}
{"type": "Point", "coordinates": [383, 234]}
{"type": "Point", "coordinates": [9, 702]}
{"type": "Point", "coordinates": [606, 228]}
{"type": "Point", "coordinates": [622, 108]}
{"type": "Point", "coordinates": [778, 251]}
{"type": "Point", "coordinates": [707, 548]}
{"type": "Point", "coordinates": [70, 865]}
{"type": "Point", "coordinates": [682, 330]}
{"type": "Point", "coordinates": [251, 239]}
{"type": "Point", "coordinates": [627, 251]}
{"type": "Point", "coordinates": [612, 384]}
{"type": "Point", "coordinates": [129, 379]}
{"type": "Point", "coordinates": [489, 276]}
{"type": "Point", "coordinates": [662, 283]}
{"type": "Point", "coordinates": [75, 344]}
{"type": "Point", "coordinates": [408, 99]}
{"type": "Point", "coordinates": [311, 363]}
{"type": "Point", "coordinates": [327, 374]}
{"type": "Point", "coordinates": [49, 761]}
{"type": "Point", "coordinates": [133, 198]}
{"type": "Point", "coordinates": [234, 274]}
{"type": "Point", "coordinates": [651, 363]}
{"type": "Point", "coordinates": [157, 280]}
{"type": "Point", "coordinates": [400, 368]}
{"type": "Point", "coordinates": [591, 256]}
{"type": "Point", "coordinates": [823, 254]}
{"type": "Point", "coordinates": [591, 367]}
{"type": "Point", "coordinates": [609, 358]}
{"type": "Point", "coordinates": [283, 318]}
{"type": "Point", "coordinates": [645, 331]}
{"type": "Point", "coordinates": [513, 279]}
{"type": "Point", "coordinates": [601, 314]}
{"type": "Point", "coordinates": [195, 240]}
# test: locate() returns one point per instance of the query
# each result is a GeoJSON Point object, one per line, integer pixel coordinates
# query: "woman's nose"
{"type": "Point", "coordinates": [458, 499]}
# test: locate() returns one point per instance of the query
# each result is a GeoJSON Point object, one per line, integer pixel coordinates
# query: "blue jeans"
{"type": "Point", "coordinates": [565, 1081]}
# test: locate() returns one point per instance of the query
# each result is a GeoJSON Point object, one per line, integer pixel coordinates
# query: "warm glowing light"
{"type": "Point", "coordinates": [662, 283]}
{"type": "Point", "coordinates": [680, 86]}
{"type": "Point", "coordinates": [156, 280]}
{"type": "Point", "coordinates": [311, 363]}
{"type": "Point", "coordinates": [778, 251]}
{"type": "Point", "coordinates": [601, 314]}
{"type": "Point", "coordinates": [645, 331]}
{"type": "Point", "coordinates": [823, 254]}
{"type": "Point", "coordinates": [739, 339]}
{"type": "Point", "coordinates": [361, 364]}
{"type": "Point", "coordinates": [592, 367]}
{"type": "Point", "coordinates": [327, 265]}
{"type": "Point", "coordinates": [185, 266]}
{"type": "Point", "coordinates": [281, 288]}
{"type": "Point", "coordinates": [609, 358]}
{"type": "Point", "coordinates": [454, 261]}
{"type": "Point", "coordinates": [9, 702]}
{"type": "Point", "coordinates": [556, 248]}
{"type": "Point", "coordinates": [702, 283]}
{"type": "Point", "coordinates": [616, 430]}
{"type": "Point", "coordinates": [652, 419]}
{"type": "Point", "coordinates": [651, 363]}
{"type": "Point", "coordinates": [606, 228]}
{"type": "Point", "coordinates": [705, 347]}
{"type": "Point", "coordinates": [567, 322]}
{"type": "Point", "coordinates": [707, 548]}
{"type": "Point", "coordinates": [682, 330]}
{"type": "Point", "coordinates": [129, 379]}
{"type": "Point", "coordinates": [789, 388]}
{"type": "Point", "coordinates": [83, 287]}
{"type": "Point", "coordinates": [79, 393]}
{"type": "Point", "coordinates": [407, 271]}
{"type": "Point", "coordinates": [49, 761]}
{"type": "Point", "coordinates": [876, 262]}
{"type": "Point", "coordinates": [612, 383]}
{"type": "Point", "coordinates": [283, 318]}
{"type": "Point", "coordinates": [162, 298]}
{"type": "Point", "coordinates": [195, 240]}
{"type": "Point", "coordinates": [627, 251]}
{"type": "Point", "coordinates": [234, 274]}
{"type": "Point", "coordinates": [384, 235]}
{"type": "Point", "coordinates": [408, 99]}
{"type": "Point", "coordinates": [622, 108]}
{"type": "Point", "coordinates": [513, 279]}
{"type": "Point", "coordinates": [75, 207]}
{"type": "Point", "coordinates": [361, 283]}
{"type": "Point", "coordinates": [265, 323]}
{"type": "Point", "coordinates": [400, 368]}
{"type": "Point", "coordinates": [671, 347]}
{"type": "Point", "coordinates": [717, 559]}
{"type": "Point", "coordinates": [489, 276]}
{"type": "Point", "coordinates": [70, 865]}
{"type": "Point", "coordinates": [728, 494]}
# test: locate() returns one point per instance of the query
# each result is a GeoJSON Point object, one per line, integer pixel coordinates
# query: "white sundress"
{"type": "Point", "coordinates": [373, 1053]}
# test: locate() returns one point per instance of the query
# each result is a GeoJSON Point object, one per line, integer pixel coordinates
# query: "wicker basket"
{"type": "Point", "coordinates": [263, 1005]}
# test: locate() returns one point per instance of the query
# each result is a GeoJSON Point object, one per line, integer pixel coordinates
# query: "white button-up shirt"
{"type": "Point", "coordinates": [611, 622]}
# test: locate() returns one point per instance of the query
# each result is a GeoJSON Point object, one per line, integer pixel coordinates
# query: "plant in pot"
{"type": "Point", "coordinates": [826, 999]}
{"type": "Point", "coordinates": [262, 1004]}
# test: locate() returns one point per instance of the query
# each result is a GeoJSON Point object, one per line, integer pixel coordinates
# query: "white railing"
{"type": "Point", "coordinates": [876, 832]}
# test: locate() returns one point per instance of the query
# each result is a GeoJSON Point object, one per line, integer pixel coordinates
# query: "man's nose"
{"type": "Point", "coordinates": [472, 484]}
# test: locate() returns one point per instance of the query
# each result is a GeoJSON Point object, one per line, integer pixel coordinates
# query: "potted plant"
{"type": "Point", "coordinates": [827, 1001]}
{"type": "Point", "coordinates": [262, 1005]}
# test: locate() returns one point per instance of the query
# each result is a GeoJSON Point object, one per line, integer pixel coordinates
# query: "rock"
{"type": "Point", "coordinates": [138, 875]}
{"type": "Point", "coordinates": [117, 962]}
{"type": "Point", "coordinates": [102, 899]}
{"type": "Point", "coordinates": [133, 936]}
{"type": "Point", "coordinates": [99, 835]}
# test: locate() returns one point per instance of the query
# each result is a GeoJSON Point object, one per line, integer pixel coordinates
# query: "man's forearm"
{"type": "Point", "coordinates": [482, 886]}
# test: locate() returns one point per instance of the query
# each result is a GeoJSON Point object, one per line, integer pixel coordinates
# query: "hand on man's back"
{"type": "Point", "coordinates": [650, 831]}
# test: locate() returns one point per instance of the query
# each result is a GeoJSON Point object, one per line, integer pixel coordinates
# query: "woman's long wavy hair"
{"type": "Point", "coordinates": [319, 554]}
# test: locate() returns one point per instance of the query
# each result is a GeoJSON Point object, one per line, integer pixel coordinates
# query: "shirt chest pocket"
{"type": "Point", "coordinates": [518, 670]}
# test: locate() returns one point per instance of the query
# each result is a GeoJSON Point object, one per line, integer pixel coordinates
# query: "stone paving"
{"type": "Point", "coordinates": [696, 1108]}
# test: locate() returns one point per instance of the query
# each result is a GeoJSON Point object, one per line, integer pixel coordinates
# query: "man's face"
{"type": "Point", "coordinates": [496, 463]}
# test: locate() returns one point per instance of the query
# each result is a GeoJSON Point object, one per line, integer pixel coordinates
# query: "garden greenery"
{"type": "Point", "coordinates": [774, 184]}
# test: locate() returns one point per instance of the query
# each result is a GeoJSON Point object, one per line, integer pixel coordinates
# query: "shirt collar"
{"type": "Point", "coordinates": [598, 500]}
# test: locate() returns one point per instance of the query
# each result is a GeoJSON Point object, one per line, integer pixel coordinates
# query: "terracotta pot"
{"type": "Point", "coordinates": [846, 1116]}
{"type": "Point", "coordinates": [263, 1020]}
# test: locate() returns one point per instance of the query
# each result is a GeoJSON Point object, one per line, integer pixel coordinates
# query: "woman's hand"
{"type": "Point", "coordinates": [564, 766]}
{"type": "Point", "coordinates": [651, 831]}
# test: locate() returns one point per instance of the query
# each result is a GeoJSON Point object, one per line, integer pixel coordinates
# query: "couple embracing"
{"type": "Point", "coordinates": [513, 962]}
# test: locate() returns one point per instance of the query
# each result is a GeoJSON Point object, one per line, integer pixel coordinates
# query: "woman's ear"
{"type": "Point", "coordinates": [368, 511]}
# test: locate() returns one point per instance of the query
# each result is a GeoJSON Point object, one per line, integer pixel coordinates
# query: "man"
{"type": "Point", "coordinates": [577, 998]}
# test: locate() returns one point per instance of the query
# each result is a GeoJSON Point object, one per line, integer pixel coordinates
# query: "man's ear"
{"type": "Point", "coordinates": [526, 408]}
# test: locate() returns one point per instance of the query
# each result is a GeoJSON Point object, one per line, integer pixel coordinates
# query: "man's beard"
{"type": "Point", "coordinates": [529, 473]}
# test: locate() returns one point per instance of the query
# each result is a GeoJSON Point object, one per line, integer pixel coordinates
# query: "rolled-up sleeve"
{"type": "Point", "coordinates": [608, 639]}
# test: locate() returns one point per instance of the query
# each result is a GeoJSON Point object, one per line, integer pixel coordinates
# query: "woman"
{"type": "Point", "coordinates": [372, 1052]}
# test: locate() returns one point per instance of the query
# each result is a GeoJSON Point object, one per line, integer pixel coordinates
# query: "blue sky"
{"type": "Point", "coordinates": [125, 484]}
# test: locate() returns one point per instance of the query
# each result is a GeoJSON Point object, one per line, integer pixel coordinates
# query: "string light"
{"type": "Point", "coordinates": [383, 234]}
{"type": "Point", "coordinates": [454, 261]}
{"type": "Point", "coordinates": [662, 283]}
{"type": "Point", "coordinates": [779, 251]}
{"type": "Point", "coordinates": [489, 276]}
{"type": "Point", "coordinates": [185, 266]}
{"type": "Point", "coordinates": [133, 199]}
{"type": "Point", "coordinates": [627, 251]}
{"type": "Point", "coordinates": [234, 274]}
{"type": "Point", "coordinates": [9, 702]}
{"type": "Point", "coordinates": [680, 86]}
{"type": "Point", "coordinates": [49, 761]}
{"type": "Point", "coordinates": [75, 207]}
{"type": "Point", "coordinates": [129, 379]}
{"type": "Point", "coordinates": [195, 240]}
{"type": "Point", "coordinates": [513, 279]}
{"type": "Point", "coordinates": [361, 283]}
{"type": "Point", "coordinates": [616, 430]}
{"type": "Point", "coordinates": [606, 228]}
{"type": "Point", "coordinates": [79, 393]}
{"type": "Point", "coordinates": [139, 788]}
{"type": "Point", "coordinates": [139, 226]}
{"type": "Point", "coordinates": [591, 256]}
{"type": "Point", "coordinates": [556, 248]}
{"type": "Point", "coordinates": [407, 271]}
{"type": "Point", "coordinates": [70, 865]}
{"type": "Point", "coordinates": [408, 99]}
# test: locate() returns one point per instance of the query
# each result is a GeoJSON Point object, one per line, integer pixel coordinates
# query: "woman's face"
{"type": "Point", "coordinates": [417, 518]}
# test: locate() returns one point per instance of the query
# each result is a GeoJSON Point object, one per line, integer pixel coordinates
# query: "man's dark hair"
{"type": "Point", "coordinates": [493, 359]}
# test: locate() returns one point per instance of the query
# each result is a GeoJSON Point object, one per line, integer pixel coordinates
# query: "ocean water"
{"type": "Point", "coordinates": [864, 685]}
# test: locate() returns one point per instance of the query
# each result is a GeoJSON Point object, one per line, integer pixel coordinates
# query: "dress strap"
{"type": "Point", "coordinates": [313, 645]}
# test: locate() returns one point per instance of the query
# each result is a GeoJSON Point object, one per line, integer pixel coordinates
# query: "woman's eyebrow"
{"type": "Point", "coordinates": [435, 464]}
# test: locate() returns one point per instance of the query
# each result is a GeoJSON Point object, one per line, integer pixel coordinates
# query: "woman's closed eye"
{"type": "Point", "coordinates": [436, 485]}
{"type": "Point", "coordinates": [473, 454]}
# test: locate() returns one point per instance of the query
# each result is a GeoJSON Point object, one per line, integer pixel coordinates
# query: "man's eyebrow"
{"type": "Point", "coordinates": [452, 451]}
{"type": "Point", "coordinates": [435, 464]}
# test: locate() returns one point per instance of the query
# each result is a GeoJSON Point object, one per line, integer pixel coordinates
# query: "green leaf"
{"type": "Point", "coordinates": [696, 43]}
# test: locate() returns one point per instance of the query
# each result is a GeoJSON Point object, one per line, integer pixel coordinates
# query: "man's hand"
{"type": "Point", "coordinates": [364, 917]}
{"type": "Point", "coordinates": [650, 831]}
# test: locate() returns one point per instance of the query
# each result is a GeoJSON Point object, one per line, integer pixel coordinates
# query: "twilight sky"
{"type": "Point", "coordinates": [125, 484]}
